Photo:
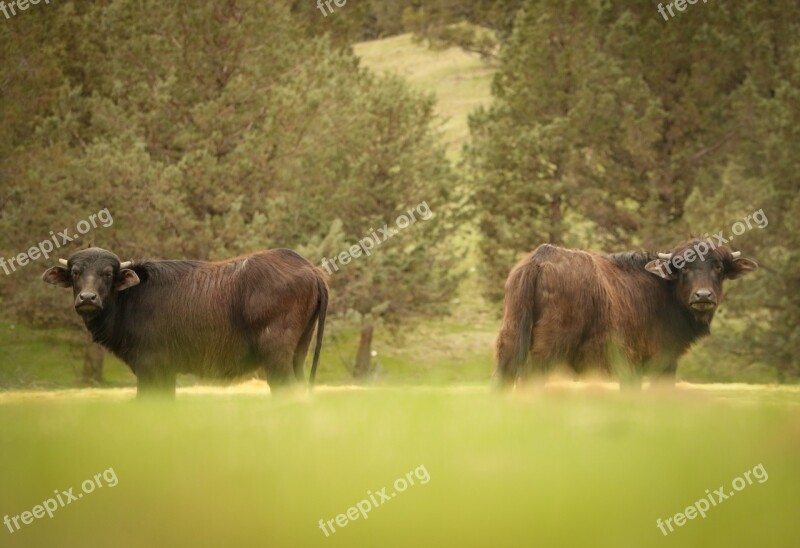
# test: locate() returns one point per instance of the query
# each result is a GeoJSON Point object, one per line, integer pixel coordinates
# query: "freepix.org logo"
{"type": "Point", "coordinates": [10, 9]}
{"type": "Point", "coordinates": [373, 500]}
{"type": "Point", "coordinates": [45, 247]}
{"type": "Point", "coordinates": [61, 499]}
{"type": "Point", "coordinates": [712, 499]}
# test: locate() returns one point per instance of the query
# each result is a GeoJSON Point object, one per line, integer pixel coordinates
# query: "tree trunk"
{"type": "Point", "coordinates": [364, 356]}
{"type": "Point", "coordinates": [556, 222]}
{"type": "Point", "coordinates": [92, 364]}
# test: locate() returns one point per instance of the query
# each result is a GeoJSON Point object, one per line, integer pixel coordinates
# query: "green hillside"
{"type": "Point", "coordinates": [460, 81]}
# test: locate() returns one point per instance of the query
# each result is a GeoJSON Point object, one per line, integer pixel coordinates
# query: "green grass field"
{"type": "Point", "coordinates": [559, 467]}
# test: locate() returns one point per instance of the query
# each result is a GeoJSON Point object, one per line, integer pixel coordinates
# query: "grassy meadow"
{"type": "Point", "coordinates": [560, 467]}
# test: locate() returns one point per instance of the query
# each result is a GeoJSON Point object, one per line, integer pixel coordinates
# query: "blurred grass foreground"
{"type": "Point", "coordinates": [569, 465]}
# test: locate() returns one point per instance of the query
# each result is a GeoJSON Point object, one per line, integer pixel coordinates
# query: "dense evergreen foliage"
{"type": "Point", "coordinates": [214, 130]}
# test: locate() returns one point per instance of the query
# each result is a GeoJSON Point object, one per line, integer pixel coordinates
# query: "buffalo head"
{"type": "Point", "coordinates": [94, 275]}
{"type": "Point", "coordinates": [698, 268]}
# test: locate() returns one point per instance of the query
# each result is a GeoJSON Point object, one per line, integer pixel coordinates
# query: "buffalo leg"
{"type": "Point", "coordinates": [665, 375]}
{"type": "Point", "coordinates": [536, 372]}
{"type": "Point", "coordinates": [160, 384]}
{"type": "Point", "coordinates": [504, 376]}
{"type": "Point", "coordinates": [301, 351]}
{"type": "Point", "coordinates": [502, 379]}
{"type": "Point", "coordinates": [631, 382]}
{"type": "Point", "coordinates": [276, 347]}
{"type": "Point", "coordinates": [627, 368]}
{"type": "Point", "coordinates": [507, 369]}
{"type": "Point", "coordinates": [628, 374]}
{"type": "Point", "coordinates": [279, 368]}
{"type": "Point", "coordinates": [279, 376]}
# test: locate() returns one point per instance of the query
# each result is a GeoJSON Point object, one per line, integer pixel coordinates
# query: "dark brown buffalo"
{"type": "Point", "coordinates": [220, 319]}
{"type": "Point", "coordinates": [628, 313]}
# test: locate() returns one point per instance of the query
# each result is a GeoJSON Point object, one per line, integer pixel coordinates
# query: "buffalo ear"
{"type": "Point", "coordinates": [125, 279]}
{"type": "Point", "coordinates": [740, 267]}
{"type": "Point", "coordinates": [660, 268]}
{"type": "Point", "coordinates": [58, 275]}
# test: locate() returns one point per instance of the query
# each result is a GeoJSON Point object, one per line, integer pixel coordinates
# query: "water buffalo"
{"type": "Point", "coordinates": [628, 313]}
{"type": "Point", "coordinates": [213, 319]}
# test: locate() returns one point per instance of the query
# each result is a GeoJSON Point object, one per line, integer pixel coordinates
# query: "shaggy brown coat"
{"type": "Point", "coordinates": [625, 311]}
